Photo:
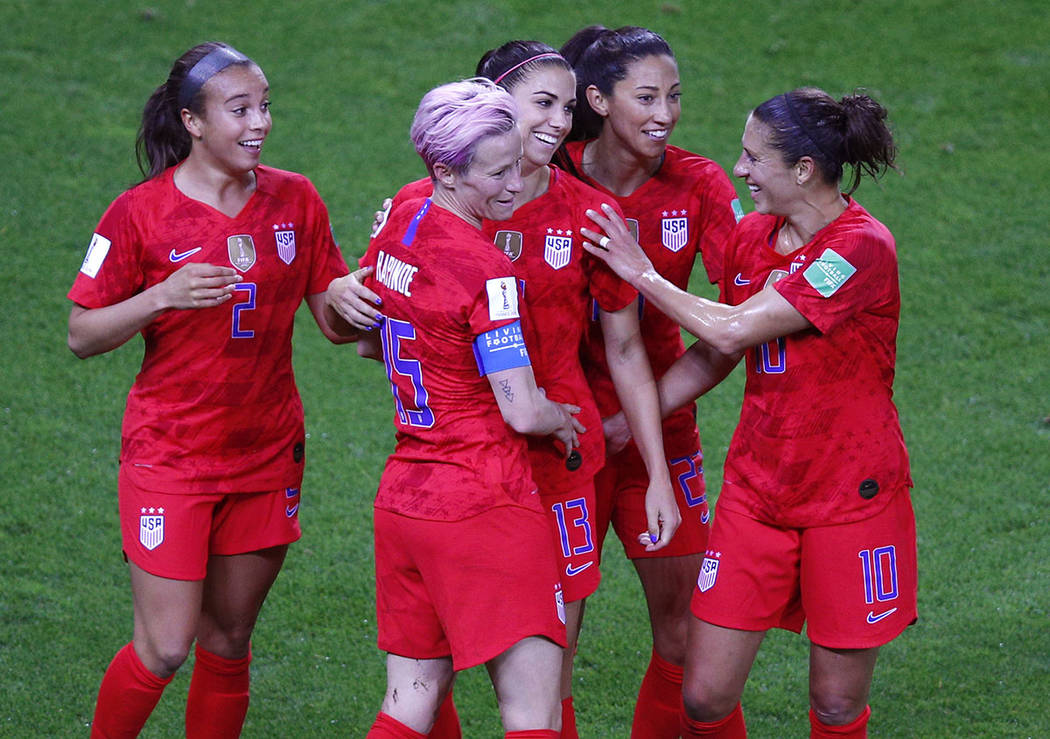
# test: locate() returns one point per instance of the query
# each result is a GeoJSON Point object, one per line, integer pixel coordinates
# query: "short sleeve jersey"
{"type": "Point", "coordinates": [214, 408]}
{"type": "Point", "coordinates": [557, 280]}
{"type": "Point", "coordinates": [686, 209]}
{"type": "Point", "coordinates": [442, 284]}
{"type": "Point", "coordinates": [819, 440]}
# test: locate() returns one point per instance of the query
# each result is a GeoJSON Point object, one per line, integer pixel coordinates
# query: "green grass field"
{"type": "Point", "coordinates": [967, 87]}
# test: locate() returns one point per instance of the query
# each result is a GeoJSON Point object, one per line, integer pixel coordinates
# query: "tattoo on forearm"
{"type": "Point", "coordinates": [508, 391]}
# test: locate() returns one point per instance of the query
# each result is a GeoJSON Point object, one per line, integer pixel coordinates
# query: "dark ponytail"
{"type": "Point", "coordinates": [601, 57]}
{"type": "Point", "coordinates": [853, 131]}
{"type": "Point", "coordinates": [162, 139]}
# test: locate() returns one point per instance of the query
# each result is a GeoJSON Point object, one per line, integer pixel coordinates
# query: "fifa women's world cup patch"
{"type": "Point", "coordinates": [708, 571]}
{"type": "Point", "coordinates": [96, 254]}
{"type": "Point", "coordinates": [503, 298]}
{"type": "Point", "coordinates": [241, 249]}
{"type": "Point", "coordinates": [829, 273]}
{"type": "Point", "coordinates": [509, 242]}
{"type": "Point", "coordinates": [151, 527]}
{"type": "Point", "coordinates": [557, 249]}
{"type": "Point", "coordinates": [284, 235]}
{"type": "Point", "coordinates": [674, 230]}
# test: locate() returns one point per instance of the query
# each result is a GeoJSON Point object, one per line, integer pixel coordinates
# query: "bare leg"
{"type": "Point", "coordinates": [717, 664]}
{"type": "Point", "coordinates": [234, 591]}
{"type": "Point", "coordinates": [167, 613]}
{"type": "Point", "coordinates": [415, 689]}
{"type": "Point", "coordinates": [840, 682]}
{"type": "Point", "coordinates": [525, 678]}
{"type": "Point", "coordinates": [668, 585]}
{"type": "Point", "coordinates": [573, 622]}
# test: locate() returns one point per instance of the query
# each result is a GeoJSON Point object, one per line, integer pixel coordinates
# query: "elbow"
{"type": "Point", "coordinates": [78, 347]}
{"type": "Point", "coordinates": [731, 338]}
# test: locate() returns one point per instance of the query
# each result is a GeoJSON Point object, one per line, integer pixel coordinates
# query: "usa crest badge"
{"type": "Point", "coordinates": [708, 573]}
{"type": "Point", "coordinates": [509, 242]}
{"type": "Point", "coordinates": [557, 249]}
{"type": "Point", "coordinates": [151, 527]}
{"type": "Point", "coordinates": [241, 249]}
{"type": "Point", "coordinates": [674, 230]}
{"type": "Point", "coordinates": [284, 234]}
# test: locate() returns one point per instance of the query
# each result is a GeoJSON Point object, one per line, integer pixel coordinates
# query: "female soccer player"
{"type": "Point", "coordinates": [678, 205]}
{"type": "Point", "coordinates": [814, 522]}
{"type": "Point", "coordinates": [209, 259]}
{"type": "Point", "coordinates": [465, 565]}
{"type": "Point", "coordinates": [558, 281]}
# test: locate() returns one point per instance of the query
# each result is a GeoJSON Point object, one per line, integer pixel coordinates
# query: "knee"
{"type": "Point", "coordinates": [163, 658]}
{"type": "Point", "coordinates": [835, 709]}
{"type": "Point", "coordinates": [706, 703]}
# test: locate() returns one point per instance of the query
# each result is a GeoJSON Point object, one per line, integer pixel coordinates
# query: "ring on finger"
{"type": "Point", "coordinates": [603, 242]}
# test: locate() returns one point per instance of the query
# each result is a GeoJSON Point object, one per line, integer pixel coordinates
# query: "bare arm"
{"type": "Point", "coordinates": [728, 328]}
{"type": "Point", "coordinates": [196, 286]}
{"type": "Point", "coordinates": [527, 410]}
{"type": "Point", "coordinates": [633, 378]}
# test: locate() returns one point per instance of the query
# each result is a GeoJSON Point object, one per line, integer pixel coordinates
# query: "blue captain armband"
{"type": "Point", "coordinates": [501, 349]}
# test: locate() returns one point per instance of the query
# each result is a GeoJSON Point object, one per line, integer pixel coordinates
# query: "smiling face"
{"type": "Point", "coordinates": [228, 135]}
{"type": "Point", "coordinates": [487, 188]}
{"type": "Point", "coordinates": [644, 106]}
{"type": "Point", "coordinates": [546, 99]}
{"type": "Point", "coordinates": [771, 181]}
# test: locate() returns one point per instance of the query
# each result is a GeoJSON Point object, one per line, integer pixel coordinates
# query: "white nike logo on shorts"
{"type": "Point", "coordinates": [873, 619]}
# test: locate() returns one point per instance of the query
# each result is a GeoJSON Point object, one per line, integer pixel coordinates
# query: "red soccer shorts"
{"type": "Point", "coordinates": [620, 491]}
{"type": "Point", "coordinates": [172, 535]}
{"type": "Point", "coordinates": [572, 516]}
{"type": "Point", "coordinates": [853, 584]}
{"type": "Point", "coordinates": [470, 589]}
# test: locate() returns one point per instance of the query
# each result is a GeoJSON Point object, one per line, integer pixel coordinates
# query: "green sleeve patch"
{"type": "Point", "coordinates": [829, 273]}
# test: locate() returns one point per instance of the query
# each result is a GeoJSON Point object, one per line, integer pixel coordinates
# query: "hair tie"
{"type": "Point", "coordinates": [209, 65]}
{"type": "Point", "coordinates": [797, 120]}
{"type": "Point", "coordinates": [544, 55]}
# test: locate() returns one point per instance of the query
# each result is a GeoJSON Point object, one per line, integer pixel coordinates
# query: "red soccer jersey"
{"type": "Point", "coordinates": [442, 284]}
{"type": "Point", "coordinates": [687, 208]}
{"type": "Point", "coordinates": [557, 281]}
{"type": "Point", "coordinates": [214, 408]}
{"type": "Point", "coordinates": [818, 418]}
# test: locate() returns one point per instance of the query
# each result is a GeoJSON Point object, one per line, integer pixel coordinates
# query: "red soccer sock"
{"type": "Point", "coordinates": [218, 698]}
{"type": "Point", "coordinates": [127, 696]}
{"type": "Point", "coordinates": [388, 727]}
{"type": "Point", "coordinates": [855, 729]}
{"type": "Point", "coordinates": [568, 720]}
{"type": "Point", "coordinates": [731, 727]}
{"type": "Point", "coordinates": [658, 712]}
{"type": "Point", "coordinates": [446, 725]}
{"type": "Point", "coordinates": [532, 734]}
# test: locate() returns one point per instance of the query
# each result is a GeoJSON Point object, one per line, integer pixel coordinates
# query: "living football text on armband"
{"type": "Point", "coordinates": [500, 349]}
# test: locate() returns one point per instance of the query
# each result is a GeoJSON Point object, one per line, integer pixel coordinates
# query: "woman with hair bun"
{"type": "Point", "coordinates": [209, 258]}
{"type": "Point", "coordinates": [814, 523]}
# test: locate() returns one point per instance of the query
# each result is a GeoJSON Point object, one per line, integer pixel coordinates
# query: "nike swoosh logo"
{"type": "Point", "coordinates": [290, 510]}
{"type": "Point", "coordinates": [571, 571]}
{"type": "Point", "coordinates": [739, 279]}
{"type": "Point", "coordinates": [178, 257]}
{"type": "Point", "coordinates": [873, 619]}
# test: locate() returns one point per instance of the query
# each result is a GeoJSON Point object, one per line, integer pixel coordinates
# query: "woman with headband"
{"type": "Point", "coordinates": [559, 281]}
{"type": "Point", "coordinates": [208, 258]}
{"type": "Point", "coordinates": [679, 206]}
{"type": "Point", "coordinates": [814, 523]}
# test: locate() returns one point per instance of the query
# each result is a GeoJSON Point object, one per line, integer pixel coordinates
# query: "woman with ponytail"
{"type": "Point", "coordinates": [814, 523]}
{"type": "Point", "coordinates": [208, 258]}
{"type": "Point", "coordinates": [680, 206]}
